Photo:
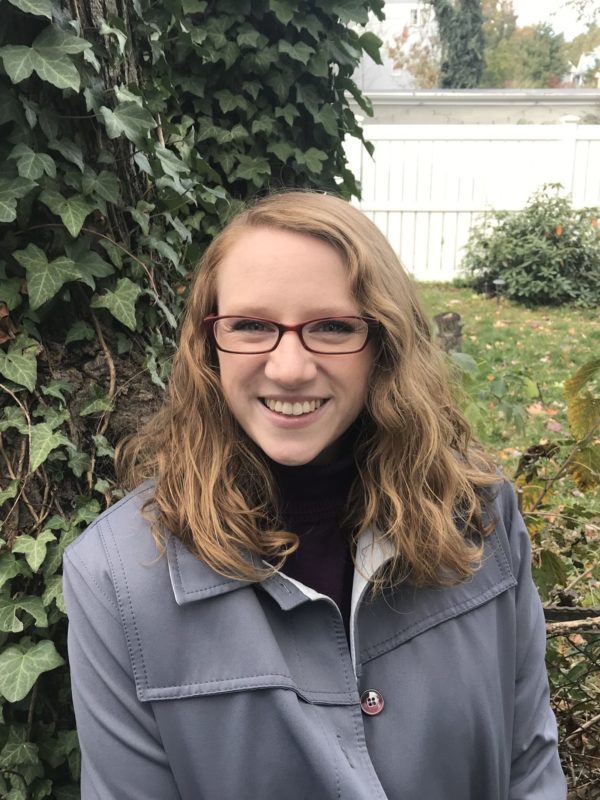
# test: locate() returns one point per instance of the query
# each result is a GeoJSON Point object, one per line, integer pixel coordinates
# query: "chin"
{"type": "Point", "coordinates": [291, 459]}
{"type": "Point", "coordinates": [300, 457]}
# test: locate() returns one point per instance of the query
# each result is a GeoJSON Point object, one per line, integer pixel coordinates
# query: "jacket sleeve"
{"type": "Point", "coordinates": [122, 754]}
{"type": "Point", "coordinates": [536, 773]}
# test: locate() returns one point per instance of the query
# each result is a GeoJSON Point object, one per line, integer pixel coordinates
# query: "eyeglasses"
{"type": "Point", "coordinates": [327, 335]}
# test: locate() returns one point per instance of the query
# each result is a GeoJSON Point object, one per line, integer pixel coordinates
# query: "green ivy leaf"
{"type": "Point", "coordinates": [288, 112]}
{"type": "Point", "coordinates": [43, 441]}
{"type": "Point", "coordinates": [89, 263]}
{"type": "Point", "coordinates": [79, 462]}
{"type": "Point", "coordinates": [60, 72]}
{"type": "Point", "coordinates": [299, 51]}
{"type": "Point", "coordinates": [10, 492]}
{"type": "Point", "coordinates": [329, 120]}
{"type": "Point", "coordinates": [34, 549]}
{"type": "Point", "coordinates": [10, 292]}
{"type": "Point", "coordinates": [32, 165]}
{"type": "Point", "coordinates": [20, 365]}
{"type": "Point", "coordinates": [103, 447]}
{"type": "Point", "coordinates": [13, 417]}
{"type": "Point", "coordinates": [18, 61]}
{"type": "Point", "coordinates": [105, 185]}
{"type": "Point", "coordinates": [128, 118]}
{"type": "Point", "coordinates": [313, 158]}
{"type": "Point", "coordinates": [21, 665]}
{"type": "Point", "coordinates": [264, 124]}
{"type": "Point", "coordinates": [252, 168]}
{"type": "Point", "coordinates": [8, 210]}
{"type": "Point", "coordinates": [351, 12]}
{"type": "Point", "coordinates": [18, 752]}
{"type": "Point", "coordinates": [41, 8]}
{"type": "Point", "coordinates": [10, 622]}
{"type": "Point", "coordinates": [11, 190]}
{"type": "Point", "coordinates": [319, 65]}
{"type": "Point", "coordinates": [283, 9]}
{"type": "Point", "coordinates": [194, 6]}
{"type": "Point", "coordinates": [250, 37]}
{"type": "Point", "coordinates": [58, 42]}
{"type": "Point", "coordinates": [79, 330]}
{"type": "Point", "coordinates": [68, 150]}
{"type": "Point", "coordinates": [45, 279]}
{"type": "Point", "coordinates": [9, 567]}
{"type": "Point", "coordinates": [283, 150]}
{"type": "Point", "coordinates": [72, 210]}
{"type": "Point", "coordinates": [54, 591]}
{"type": "Point", "coordinates": [229, 101]}
{"type": "Point", "coordinates": [170, 163]}
{"type": "Point", "coordinates": [98, 402]}
{"type": "Point", "coordinates": [120, 302]}
{"type": "Point", "coordinates": [372, 45]}
{"type": "Point", "coordinates": [56, 388]}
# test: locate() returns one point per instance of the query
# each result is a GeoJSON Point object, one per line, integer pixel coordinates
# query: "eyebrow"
{"type": "Point", "coordinates": [264, 313]}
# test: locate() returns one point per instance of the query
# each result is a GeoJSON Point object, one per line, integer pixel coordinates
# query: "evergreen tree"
{"type": "Point", "coordinates": [461, 32]}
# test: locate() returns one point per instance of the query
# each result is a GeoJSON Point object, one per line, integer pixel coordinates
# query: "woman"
{"type": "Point", "coordinates": [323, 589]}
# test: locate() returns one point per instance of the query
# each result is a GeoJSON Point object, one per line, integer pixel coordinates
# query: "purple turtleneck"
{"type": "Point", "coordinates": [313, 507]}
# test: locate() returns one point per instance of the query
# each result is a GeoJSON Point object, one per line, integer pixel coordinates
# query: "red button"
{"type": "Point", "coordinates": [371, 702]}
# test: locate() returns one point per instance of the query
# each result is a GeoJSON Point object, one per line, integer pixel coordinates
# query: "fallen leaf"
{"type": "Point", "coordinates": [536, 408]}
{"type": "Point", "coordinates": [554, 425]}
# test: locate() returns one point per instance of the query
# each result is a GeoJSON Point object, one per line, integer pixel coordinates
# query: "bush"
{"type": "Point", "coordinates": [548, 253]}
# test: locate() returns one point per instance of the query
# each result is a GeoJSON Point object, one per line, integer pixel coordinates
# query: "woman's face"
{"type": "Point", "coordinates": [290, 278]}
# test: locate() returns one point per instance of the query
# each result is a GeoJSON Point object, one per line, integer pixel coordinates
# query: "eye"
{"type": "Point", "coordinates": [333, 326]}
{"type": "Point", "coordinates": [248, 325]}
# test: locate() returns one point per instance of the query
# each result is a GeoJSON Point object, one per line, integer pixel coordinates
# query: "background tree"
{"type": "Point", "coordinates": [417, 52]}
{"type": "Point", "coordinates": [587, 10]}
{"type": "Point", "coordinates": [499, 21]}
{"type": "Point", "coordinates": [129, 133]}
{"type": "Point", "coordinates": [530, 57]}
{"type": "Point", "coordinates": [462, 42]}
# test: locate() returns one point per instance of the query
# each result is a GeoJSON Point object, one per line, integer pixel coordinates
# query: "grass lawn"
{"type": "Point", "coordinates": [525, 355]}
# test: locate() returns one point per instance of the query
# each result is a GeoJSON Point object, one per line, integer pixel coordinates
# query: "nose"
{"type": "Point", "coordinates": [290, 364]}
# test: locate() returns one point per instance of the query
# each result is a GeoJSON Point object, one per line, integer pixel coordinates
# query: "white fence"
{"type": "Point", "coordinates": [427, 184]}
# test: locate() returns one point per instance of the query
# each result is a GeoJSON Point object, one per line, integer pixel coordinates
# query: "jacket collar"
{"type": "Point", "coordinates": [193, 580]}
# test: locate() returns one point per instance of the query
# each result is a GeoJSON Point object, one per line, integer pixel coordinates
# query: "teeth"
{"type": "Point", "coordinates": [293, 409]}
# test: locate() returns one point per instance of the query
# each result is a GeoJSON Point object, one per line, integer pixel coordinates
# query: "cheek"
{"type": "Point", "coordinates": [236, 374]}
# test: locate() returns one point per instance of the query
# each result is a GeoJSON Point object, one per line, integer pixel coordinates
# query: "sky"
{"type": "Point", "coordinates": [555, 12]}
{"type": "Point", "coordinates": [562, 18]}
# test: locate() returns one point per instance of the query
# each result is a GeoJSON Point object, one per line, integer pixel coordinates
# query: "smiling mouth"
{"type": "Point", "coordinates": [288, 409]}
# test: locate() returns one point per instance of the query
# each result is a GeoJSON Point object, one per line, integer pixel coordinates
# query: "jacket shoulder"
{"type": "Point", "coordinates": [120, 539]}
{"type": "Point", "coordinates": [509, 527]}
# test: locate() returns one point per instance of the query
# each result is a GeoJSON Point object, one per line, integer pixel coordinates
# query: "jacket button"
{"type": "Point", "coordinates": [371, 702]}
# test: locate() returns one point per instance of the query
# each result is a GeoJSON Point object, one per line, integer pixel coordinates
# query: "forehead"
{"type": "Point", "coordinates": [279, 271]}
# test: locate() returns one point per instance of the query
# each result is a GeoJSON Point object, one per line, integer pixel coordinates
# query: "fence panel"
{"type": "Point", "coordinates": [427, 184]}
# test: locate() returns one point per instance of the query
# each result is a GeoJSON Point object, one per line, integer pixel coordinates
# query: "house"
{"type": "Point", "coordinates": [587, 67]}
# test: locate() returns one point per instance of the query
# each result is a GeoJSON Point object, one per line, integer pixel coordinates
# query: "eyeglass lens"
{"type": "Point", "coordinates": [248, 335]}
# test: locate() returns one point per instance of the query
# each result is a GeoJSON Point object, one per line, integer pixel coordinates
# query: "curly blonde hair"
{"type": "Point", "coordinates": [422, 480]}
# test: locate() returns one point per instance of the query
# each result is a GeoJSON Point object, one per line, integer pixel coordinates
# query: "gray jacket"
{"type": "Point", "coordinates": [191, 686]}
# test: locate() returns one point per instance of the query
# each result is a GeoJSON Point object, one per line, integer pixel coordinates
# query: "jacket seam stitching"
{"type": "Point", "coordinates": [134, 657]}
{"type": "Point", "coordinates": [71, 559]}
{"type": "Point", "coordinates": [191, 593]}
{"type": "Point", "coordinates": [444, 615]}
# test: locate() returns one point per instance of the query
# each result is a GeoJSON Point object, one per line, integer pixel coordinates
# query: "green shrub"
{"type": "Point", "coordinates": [547, 254]}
